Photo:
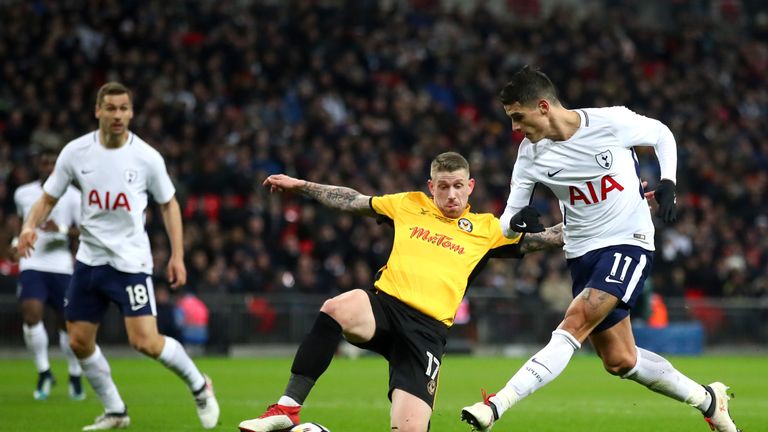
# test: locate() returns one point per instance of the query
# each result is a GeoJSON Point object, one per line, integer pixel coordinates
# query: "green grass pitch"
{"type": "Point", "coordinates": [351, 396]}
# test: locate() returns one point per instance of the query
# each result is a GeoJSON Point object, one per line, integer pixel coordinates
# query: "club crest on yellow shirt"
{"type": "Point", "coordinates": [465, 224]}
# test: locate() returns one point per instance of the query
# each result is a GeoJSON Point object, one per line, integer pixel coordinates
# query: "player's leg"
{"type": "Point", "coordinates": [600, 279]}
{"type": "Point", "coordinates": [141, 326]}
{"type": "Point", "coordinates": [616, 347]}
{"type": "Point", "coordinates": [409, 413]}
{"type": "Point", "coordinates": [349, 314]}
{"type": "Point", "coordinates": [33, 293]}
{"type": "Point", "coordinates": [84, 310]}
{"type": "Point", "coordinates": [415, 354]}
{"type": "Point", "coordinates": [82, 337]}
{"type": "Point", "coordinates": [36, 341]}
{"type": "Point", "coordinates": [585, 312]}
{"type": "Point", "coordinates": [57, 286]}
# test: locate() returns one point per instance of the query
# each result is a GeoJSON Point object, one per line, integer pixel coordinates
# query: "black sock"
{"type": "Point", "coordinates": [313, 356]}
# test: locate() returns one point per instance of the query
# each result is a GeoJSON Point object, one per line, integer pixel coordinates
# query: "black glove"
{"type": "Point", "coordinates": [665, 196]}
{"type": "Point", "coordinates": [526, 221]}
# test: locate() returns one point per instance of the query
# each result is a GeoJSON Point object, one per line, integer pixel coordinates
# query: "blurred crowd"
{"type": "Point", "coordinates": [363, 94]}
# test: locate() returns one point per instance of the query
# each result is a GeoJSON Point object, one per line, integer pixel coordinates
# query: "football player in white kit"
{"type": "Point", "coordinates": [115, 171]}
{"type": "Point", "coordinates": [45, 276]}
{"type": "Point", "coordinates": [586, 158]}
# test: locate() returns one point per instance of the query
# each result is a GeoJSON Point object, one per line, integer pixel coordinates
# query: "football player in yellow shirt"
{"type": "Point", "coordinates": [439, 246]}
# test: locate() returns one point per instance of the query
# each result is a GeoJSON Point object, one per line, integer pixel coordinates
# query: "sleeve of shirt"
{"type": "Point", "coordinates": [62, 175]}
{"type": "Point", "coordinates": [501, 246]}
{"type": "Point", "coordinates": [387, 205]}
{"type": "Point", "coordinates": [17, 203]}
{"type": "Point", "coordinates": [159, 183]}
{"type": "Point", "coordinates": [636, 130]}
{"type": "Point", "coordinates": [521, 189]}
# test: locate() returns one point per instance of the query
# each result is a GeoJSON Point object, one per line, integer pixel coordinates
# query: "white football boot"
{"type": "Point", "coordinates": [207, 406]}
{"type": "Point", "coordinates": [481, 415]}
{"type": "Point", "coordinates": [109, 421]}
{"type": "Point", "coordinates": [718, 416]}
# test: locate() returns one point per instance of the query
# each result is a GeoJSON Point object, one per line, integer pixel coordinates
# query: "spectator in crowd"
{"type": "Point", "coordinates": [339, 93]}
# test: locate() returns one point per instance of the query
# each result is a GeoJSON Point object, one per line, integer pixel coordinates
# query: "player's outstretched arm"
{"type": "Point", "coordinates": [336, 197]}
{"type": "Point", "coordinates": [39, 212]}
{"type": "Point", "coordinates": [550, 238]}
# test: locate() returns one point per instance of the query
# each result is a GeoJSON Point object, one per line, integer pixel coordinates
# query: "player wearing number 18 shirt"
{"type": "Point", "coordinates": [116, 171]}
{"type": "Point", "coordinates": [586, 157]}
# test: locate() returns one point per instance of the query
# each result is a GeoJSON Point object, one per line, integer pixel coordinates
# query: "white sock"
{"type": "Point", "coordinates": [36, 339]}
{"type": "Point", "coordinates": [97, 371]}
{"type": "Point", "coordinates": [176, 359]}
{"type": "Point", "coordinates": [656, 373]}
{"type": "Point", "coordinates": [73, 364]}
{"type": "Point", "coordinates": [538, 371]}
{"type": "Point", "coordinates": [287, 401]}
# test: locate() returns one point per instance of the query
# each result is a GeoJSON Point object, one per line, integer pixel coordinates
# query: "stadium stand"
{"type": "Point", "coordinates": [364, 93]}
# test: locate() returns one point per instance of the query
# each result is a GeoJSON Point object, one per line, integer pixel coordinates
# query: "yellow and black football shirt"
{"type": "Point", "coordinates": [434, 258]}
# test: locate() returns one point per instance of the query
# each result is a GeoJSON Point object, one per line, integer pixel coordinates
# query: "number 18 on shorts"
{"type": "Point", "coordinates": [94, 287]}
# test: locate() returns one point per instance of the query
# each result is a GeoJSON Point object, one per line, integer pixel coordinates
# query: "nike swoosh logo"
{"type": "Point", "coordinates": [85, 172]}
{"type": "Point", "coordinates": [609, 280]}
{"type": "Point", "coordinates": [533, 360]}
{"type": "Point", "coordinates": [522, 225]}
{"type": "Point", "coordinates": [137, 307]}
{"type": "Point", "coordinates": [552, 174]}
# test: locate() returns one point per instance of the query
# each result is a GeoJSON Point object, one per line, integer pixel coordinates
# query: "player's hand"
{"type": "Point", "coordinates": [526, 221]}
{"type": "Point", "coordinates": [27, 240]}
{"type": "Point", "coordinates": [177, 272]}
{"type": "Point", "coordinates": [281, 182]}
{"type": "Point", "coordinates": [648, 194]}
{"type": "Point", "coordinates": [665, 195]}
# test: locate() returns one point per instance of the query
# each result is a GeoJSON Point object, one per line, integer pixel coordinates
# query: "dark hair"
{"type": "Point", "coordinates": [528, 86]}
{"type": "Point", "coordinates": [448, 162]}
{"type": "Point", "coordinates": [48, 150]}
{"type": "Point", "coordinates": [111, 88]}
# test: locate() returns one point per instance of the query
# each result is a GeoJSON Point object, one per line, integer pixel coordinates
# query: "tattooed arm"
{"type": "Point", "coordinates": [336, 197]}
{"type": "Point", "coordinates": [550, 238]}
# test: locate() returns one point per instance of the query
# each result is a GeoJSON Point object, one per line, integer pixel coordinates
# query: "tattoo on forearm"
{"type": "Point", "coordinates": [338, 197]}
{"type": "Point", "coordinates": [550, 238]}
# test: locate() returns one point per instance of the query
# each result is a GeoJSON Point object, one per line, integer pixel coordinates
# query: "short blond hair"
{"type": "Point", "coordinates": [448, 162]}
{"type": "Point", "coordinates": [111, 88]}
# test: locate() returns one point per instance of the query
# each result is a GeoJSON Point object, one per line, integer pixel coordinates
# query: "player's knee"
{"type": "Point", "coordinates": [338, 310]}
{"type": "Point", "coordinates": [618, 365]}
{"type": "Point", "coordinates": [329, 307]}
{"type": "Point", "coordinates": [146, 345]}
{"type": "Point", "coordinates": [31, 312]}
{"type": "Point", "coordinates": [31, 319]}
{"type": "Point", "coordinates": [81, 347]}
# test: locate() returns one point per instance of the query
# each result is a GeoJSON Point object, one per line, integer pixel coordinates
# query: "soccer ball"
{"type": "Point", "coordinates": [309, 427]}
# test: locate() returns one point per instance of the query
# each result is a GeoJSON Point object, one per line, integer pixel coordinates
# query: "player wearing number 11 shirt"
{"type": "Point", "coordinates": [115, 171]}
{"type": "Point", "coordinates": [586, 157]}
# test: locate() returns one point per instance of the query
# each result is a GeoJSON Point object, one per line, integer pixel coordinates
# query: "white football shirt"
{"type": "Point", "coordinates": [114, 185]}
{"type": "Point", "coordinates": [595, 176]}
{"type": "Point", "coordinates": [51, 253]}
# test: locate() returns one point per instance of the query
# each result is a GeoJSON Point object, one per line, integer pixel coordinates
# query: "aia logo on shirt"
{"type": "Point", "coordinates": [591, 195]}
{"type": "Point", "coordinates": [108, 201]}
